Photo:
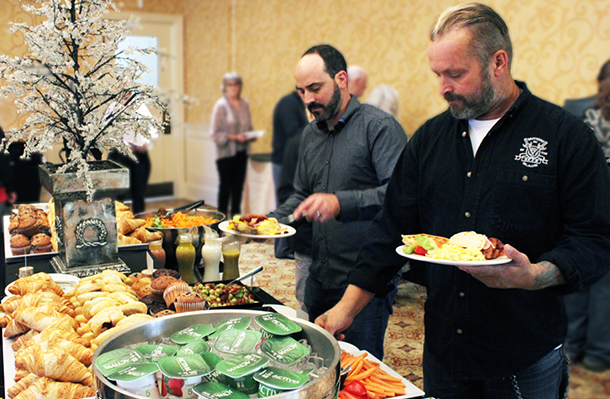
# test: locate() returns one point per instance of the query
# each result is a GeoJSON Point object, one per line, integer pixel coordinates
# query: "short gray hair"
{"type": "Point", "coordinates": [385, 98]}
{"type": "Point", "coordinates": [489, 31]}
{"type": "Point", "coordinates": [231, 77]}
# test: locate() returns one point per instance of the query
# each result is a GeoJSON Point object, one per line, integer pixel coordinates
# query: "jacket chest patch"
{"type": "Point", "coordinates": [533, 153]}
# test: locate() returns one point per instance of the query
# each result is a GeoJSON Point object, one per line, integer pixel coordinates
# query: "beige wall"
{"type": "Point", "coordinates": [559, 46]}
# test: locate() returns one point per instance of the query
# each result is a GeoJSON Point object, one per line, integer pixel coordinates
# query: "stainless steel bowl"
{"type": "Point", "coordinates": [170, 235]}
{"type": "Point", "coordinates": [324, 387]}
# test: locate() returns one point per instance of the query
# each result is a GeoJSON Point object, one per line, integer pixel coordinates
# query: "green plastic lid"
{"type": "Point", "coordinates": [237, 323]}
{"type": "Point", "coordinates": [277, 324]}
{"type": "Point", "coordinates": [281, 379]}
{"type": "Point", "coordinates": [194, 348]}
{"type": "Point", "coordinates": [192, 333]}
{"type": "Point", "coordinates": [237, 341]}
{"type": "Point", "coordinates": [213, 390]}
{"type": "Point", "coordinates": [241, 365]}
{"type": "Point", "coordinates": [156, 352]}
{"type": "Point", "coordinates": [116, 360]}
{"type": "Point", "coordinates": [284, 350]}
{"type": "Point", "coordinates": [134, 372]}
{"type": "Point", "coordinates": [183, 366]}
{"type": "Point", "coordinates": [212, 360]}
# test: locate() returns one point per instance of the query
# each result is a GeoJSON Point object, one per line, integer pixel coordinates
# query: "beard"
{"type": "Point", "coordinates": [476, 105]}
{"type": "Point", "coordinates": [323, 112]}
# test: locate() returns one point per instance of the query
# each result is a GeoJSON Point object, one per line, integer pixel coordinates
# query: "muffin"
{"type": "Point", "coordinates": [165, 312]}
{"type": "Point", "coordinates": [166, 272]}
{"type": "Point", "coordinates": [20, 245]}
{"type": "Point", "coordinates": [174, 290]}
{"type": "Point", "coordinates": [141, 282]}
{"type": "Point", "coordinates": [149, 300]}
{"type": "Point", "coordinates": [156, 307]}
{"type": "Point", "coordinates": [41, 243]}
{"type": "Point", "coordinates": [143, 291]}
{"type": "Point", "coordinates": [190, 302]}
{"type": "Point", "coordinates": [159, 285]}
{"type": "Point", "coordinates": [28, 225]}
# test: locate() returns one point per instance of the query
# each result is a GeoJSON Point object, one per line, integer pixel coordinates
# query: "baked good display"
{"type": "Point", "coordinates": [41, 243]}
{"type": "Point", "coordinates": [190, 302]}
{"type": "Point", "coordinates": [20, 244]}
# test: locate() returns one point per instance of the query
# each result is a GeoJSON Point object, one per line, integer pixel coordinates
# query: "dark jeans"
{"type": "Point", "coordinates": [139, 172]}
{"type": "Point", "coordinates": [232, 174]}
{"type": "Point", "coordinates": [367, 331]}
{"type": "Point", "coordinates": [545, 379]}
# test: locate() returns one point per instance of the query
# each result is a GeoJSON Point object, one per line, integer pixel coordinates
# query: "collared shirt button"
{"type": "Point", "coordinates": [321, 237]}
{"type": "Point", "coordinates": [323, 260]}
{"type": "Point", "coordinates": [467, 214]}
{"type": "Point", "coordinates": [469, 174]}
{"type": "Point", "coordinates": [462, 294]}
{"type": "Point", "coordinates": [323, 187]}
{"type": "Point", "coordinates": [525, 178]}
{"type": "Point", "coordinates": [327, 162]}
{"type": "Point", "coordinates": [459, 331]}
{"type": "Point", "coordinates": [464, 133]}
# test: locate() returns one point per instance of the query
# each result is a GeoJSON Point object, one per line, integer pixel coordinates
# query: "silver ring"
{"type": "Point", "coordinates": [318, 213]}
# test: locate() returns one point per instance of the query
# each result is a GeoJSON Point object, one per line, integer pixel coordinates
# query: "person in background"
{"type": "Point", "coordinates": [385, 98]}
{"type": "Point", "coordinates": [346, 156]}
{"type": "Point", "coordinates": [300, 243]}
{"type": "Point", "coordinates": [578, 106]}
{"type": "Point", "coordinates": [289, 120]}
{"type": "Point", "coordinates": [588, 338]}
{"type": "Point", "coordinates": [492, 165]}
{"type": "Point", "coordinates": [19, 178]}
{"type": "Point", "coordinates": [357, 80]}
{"type": "Point", "coordinates": [139, 170]}
{"type": "Point", "coordinates": [230, 120]}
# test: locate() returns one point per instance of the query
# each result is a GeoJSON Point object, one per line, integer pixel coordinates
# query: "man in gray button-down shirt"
{"type": "Point", "coordinates": [346, 157]}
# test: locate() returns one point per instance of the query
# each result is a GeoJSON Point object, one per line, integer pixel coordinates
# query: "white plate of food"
{"type": "Point", "coordinates": [67, 282]}
{"type": "Point", "coordinates": [287, 231]}
{"type": "Point", "coordinates": [490, 262]}
{"type": "Point", "coordinates": [411, 391]}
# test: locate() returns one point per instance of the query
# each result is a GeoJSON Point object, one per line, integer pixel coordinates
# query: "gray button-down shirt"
{"type": "Point", "coordinates": [355, 162]}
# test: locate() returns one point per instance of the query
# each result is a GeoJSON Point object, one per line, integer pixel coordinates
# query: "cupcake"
{"type": "Point", "coordinates": [159, 285]}
{"type": "Point", "coordinates": [174, 290]}
{"type": "Point", "coordinates": [144, 291]}
{"type": "Point", "coordinates": [190, 302]}
{"type": "Point", "coordinates": [41, 243]}
{"type": "Point", "coordinates": [166, 272]}
{"type": "Point", "coordinates": [28, 225]}
{"type": "Point", "coordinates": [20, 245]}
{"type": "Point", "coordinates": [165, 312]}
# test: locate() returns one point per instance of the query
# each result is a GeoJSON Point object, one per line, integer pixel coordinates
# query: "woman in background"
{"type": "Point", "coordinates": [230, 120]}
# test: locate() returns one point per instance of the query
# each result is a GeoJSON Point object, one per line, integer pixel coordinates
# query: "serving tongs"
{"type": "Point", "coordinates": [250, 273]}
{"type": "Point", "coordinates": [164, 213]}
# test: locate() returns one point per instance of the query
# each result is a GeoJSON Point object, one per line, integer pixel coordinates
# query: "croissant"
{"type": "Point", "coordinates": [79, 352]}
{"type": "Point", "coordinates": [34, 283]}
{"type": "Point", "coordinates": [46, 298]}
{"type": "Point", "coordinates": [46, 388]}
{"type": "Point", "coordinates": [126, 226]}
{"type": "Point", "coordinates": [21, 385]}
{"type": "Point", "coordinates": [40, 318]}
{"type": "Point", "coordinates": [105, 319]}
{"type": "Point", "coordinates": [15, 328]}
{"type": "Point", "coordinates": [142, 234]}
{"type": "Point", "coordinates": [19, 341]}
{"type": "Point", "coordinates": [54, 363]}
{"type": "Point", "coordinates": [94, 306]}
{"type": "Point", "coordinates": [4, 320]}
{"type": "Point", "coordinates": [21, 374]}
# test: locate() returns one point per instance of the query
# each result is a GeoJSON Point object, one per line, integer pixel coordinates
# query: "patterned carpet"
{"type": "Point", "coordinates": [405, 334]}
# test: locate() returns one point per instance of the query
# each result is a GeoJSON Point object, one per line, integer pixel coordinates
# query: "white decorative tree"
{"type": "Point", "coordinates": [75, 86]}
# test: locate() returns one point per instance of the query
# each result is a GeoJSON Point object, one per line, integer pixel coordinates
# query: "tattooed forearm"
{"type": "Point", "coordinates": [548, 275]}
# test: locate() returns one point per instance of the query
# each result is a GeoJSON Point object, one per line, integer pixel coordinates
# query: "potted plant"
{"type": "Point", "coordinates": [80, 91]}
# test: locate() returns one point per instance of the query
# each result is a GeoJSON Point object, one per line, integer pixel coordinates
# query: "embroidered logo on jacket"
{"type": "Point", "coordinates": [533, 152]}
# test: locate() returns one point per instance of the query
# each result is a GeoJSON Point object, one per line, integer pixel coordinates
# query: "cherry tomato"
{"type": "Point", "coordinates": [420, 251]}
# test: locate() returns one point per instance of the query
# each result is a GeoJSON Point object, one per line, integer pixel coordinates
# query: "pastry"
{"type": "Point", "coordinates": [166, 272]}
{"type": "Point", "coordinates": [41, 243]}
{"type": "Point", "coordinates": [54, 362]}
{"type": "Point", "coordinates": [28, 225]}
{"type": "Point", "coordinates": [165, 312]}
{"type": "Point", "coordinates": [174, 290]}
{"type": "Point", "coordinates": [159, 285]}
{"type": "Point", "coordinates": [190, 302]}
{"type": "Point", "coordinates": [50, 389]}
{"type": "Point", "coordinates": [20, 245]}
{"type": "Point", "coordinates": [142, 234]}
{"type": "Point", "coordinates": [157, 307]}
